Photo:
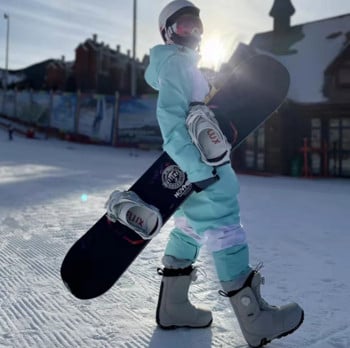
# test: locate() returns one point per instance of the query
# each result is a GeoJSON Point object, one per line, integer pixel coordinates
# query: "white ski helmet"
{"type": "Point", "coordinates": [175, 28]}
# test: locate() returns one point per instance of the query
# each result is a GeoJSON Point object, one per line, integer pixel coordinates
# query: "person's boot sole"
{"type": "Point", "coordinates": [265, 341]}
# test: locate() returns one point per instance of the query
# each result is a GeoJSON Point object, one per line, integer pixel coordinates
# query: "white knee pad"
{"type": "Point", "coordinates": [182, 224]}
{"type": "Point", "coordinates": [225, 237]}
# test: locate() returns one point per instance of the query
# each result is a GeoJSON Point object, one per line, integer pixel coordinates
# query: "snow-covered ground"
{"type": "Point", "coordinates": [52, 191]}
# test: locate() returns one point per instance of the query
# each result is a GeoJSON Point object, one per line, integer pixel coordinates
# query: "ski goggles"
{"type": "Point", "coordinates": [188, 25]}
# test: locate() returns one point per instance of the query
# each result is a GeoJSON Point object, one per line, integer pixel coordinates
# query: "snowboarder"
{"type": "Point", "coordinates": [195, 142]}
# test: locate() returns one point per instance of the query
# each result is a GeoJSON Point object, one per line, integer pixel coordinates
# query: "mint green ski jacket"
{"type": "Point", "coordinates": [174, 74]}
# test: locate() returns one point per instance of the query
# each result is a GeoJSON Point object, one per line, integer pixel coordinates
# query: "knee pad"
{"type": "Point", "coordinates": [230, 251]}
{"type": "Point", "coordinates": [182, 224]}
{"type": "Point", "coordinates": [225, 237]}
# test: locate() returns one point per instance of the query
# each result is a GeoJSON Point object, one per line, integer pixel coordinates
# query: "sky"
{"type": "Point", "coordinates": [43, 29]}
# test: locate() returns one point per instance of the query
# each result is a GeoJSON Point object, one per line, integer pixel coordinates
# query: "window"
{"type": "Point", "coordinates": [255, 150]}
{"type": "Point", "coordinates": [339, 142]}
{"type": "Point", "coordinates": [344, 77]}
{"type": "Point", "coordinates": [316, 144]}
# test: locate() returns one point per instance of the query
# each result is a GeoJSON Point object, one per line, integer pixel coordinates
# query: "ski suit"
{"type": "Point", "coordinates": [212, 215]}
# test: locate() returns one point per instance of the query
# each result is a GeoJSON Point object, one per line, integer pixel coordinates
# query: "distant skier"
{"type": "Point", "coordinates": [195, 142]}
{"type": "Point", "coordinates": [10, 131]}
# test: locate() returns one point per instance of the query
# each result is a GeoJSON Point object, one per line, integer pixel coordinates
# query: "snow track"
{"type": "Point", "coordinates": [299, 228]}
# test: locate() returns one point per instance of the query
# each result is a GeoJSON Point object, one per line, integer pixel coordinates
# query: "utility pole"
{"type": "Point", "coordinates": [7, 17]}
{"type": "Point", "coordinates": [5, 81]}
{"type": "Point", "coordinates": [133, 62]}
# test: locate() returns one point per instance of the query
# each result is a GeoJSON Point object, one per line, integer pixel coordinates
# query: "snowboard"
{"type": "Point", "coordinates": [249, 95]}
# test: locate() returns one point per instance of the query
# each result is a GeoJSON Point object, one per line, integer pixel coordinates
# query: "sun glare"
{"type": "Point", "coordinates": [213, 53]}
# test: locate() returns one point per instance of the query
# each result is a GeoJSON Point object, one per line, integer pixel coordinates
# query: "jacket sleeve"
{"type": "Point", "coordinates": [175, 93]}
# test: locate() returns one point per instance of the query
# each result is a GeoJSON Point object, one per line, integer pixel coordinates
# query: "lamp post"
{"type": "Point", "coordinates": [7, 17]}
{"type": "Point", "coordinates": [133, 62]}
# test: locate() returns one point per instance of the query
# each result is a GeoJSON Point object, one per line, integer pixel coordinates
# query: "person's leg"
{"type": "Point", "coordinates": [174, 309]}
{"type": "Point", "coordinates": [205, 212]}
{"type": "Point", "coordinates": [214, 213]}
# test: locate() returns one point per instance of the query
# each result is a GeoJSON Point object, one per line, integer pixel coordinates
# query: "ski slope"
{"type": "Point", "coordinates": [52, 191]}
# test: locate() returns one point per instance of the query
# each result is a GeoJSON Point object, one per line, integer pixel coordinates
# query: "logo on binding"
{"type": "Point", "coordinates": [173, 177]}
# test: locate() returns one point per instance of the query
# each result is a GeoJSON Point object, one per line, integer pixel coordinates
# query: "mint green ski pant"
{"type": "Point", "coordinates": [212, 217]}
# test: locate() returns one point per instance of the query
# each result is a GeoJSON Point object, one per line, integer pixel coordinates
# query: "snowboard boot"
{"type": "Point", "coordinates": [174, 309]}
{"type": "Point", "coordinates": [260, 322]}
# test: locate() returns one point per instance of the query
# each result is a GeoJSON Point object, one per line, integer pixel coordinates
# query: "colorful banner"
{"type": "Point", "coordinates": [1, 100]}
{"type": "Point", "coordinates": [96, 116]}
{"type": "Point", "coordinates": [40, 107]}
{"type": "Point", "coordinates": [109, 119]}
{"type": "Point", "coordinates": [137, 122]}
{"type": "Point", "coordinates": [23, 108]}
{"type": "Point", "coordinates": [63, 112]}
{"type": "Point", "coordinates": [9, 103]}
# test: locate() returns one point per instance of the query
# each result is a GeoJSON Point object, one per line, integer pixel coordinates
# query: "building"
{"type": "Point", "coordinates": [99, 68]}
{"type": "Point", "coordinates": [59, 75]}
{"type": "Point", "coordinates": [31, 77]}
{"type": "Point", "coordinates": [311, 134]}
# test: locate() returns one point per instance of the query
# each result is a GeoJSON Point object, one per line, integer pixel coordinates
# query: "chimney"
{"type": "Point", "coordinates": [118, 48]}
{"type": "Point", "coordinates": [282, 11]}
{"type": "Point", "coordinates": [128, 53]}
{"type": "Point", "coordinates": [94, 38]}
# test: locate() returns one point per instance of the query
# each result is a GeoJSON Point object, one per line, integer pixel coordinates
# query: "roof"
{"type": "Point", "coordinates": [34, 73]}
{"type": "Point", "coordinates": [307, 50]}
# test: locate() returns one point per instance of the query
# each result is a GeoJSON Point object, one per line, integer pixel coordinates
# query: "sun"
{"type": "Point", "coordinates": [213, 52]}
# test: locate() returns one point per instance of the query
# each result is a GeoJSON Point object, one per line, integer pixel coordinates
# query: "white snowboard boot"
{"type": "Point", "coordinates": [174, 309]}
{"type": "Point", "coordinates": [260, 322]}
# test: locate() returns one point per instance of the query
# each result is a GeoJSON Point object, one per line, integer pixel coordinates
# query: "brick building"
{"type": "Point", "coordinates": [99, 68]}
{"type": "Point", "coordinates": [59, 74]}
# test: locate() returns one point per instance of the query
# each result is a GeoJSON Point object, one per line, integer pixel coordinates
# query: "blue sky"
{"type": "Point", "coordinates": [42, 29]}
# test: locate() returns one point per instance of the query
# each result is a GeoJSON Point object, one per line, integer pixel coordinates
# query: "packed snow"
{"type": "Point", "coordinates": [52, 191]}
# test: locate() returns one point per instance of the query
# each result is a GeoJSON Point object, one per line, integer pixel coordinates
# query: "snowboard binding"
{"type": "Point", "coordinates": [130, 210]}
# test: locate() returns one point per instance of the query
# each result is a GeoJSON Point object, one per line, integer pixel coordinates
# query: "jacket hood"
{"type": "Point", "coordinates": [159, 55]}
